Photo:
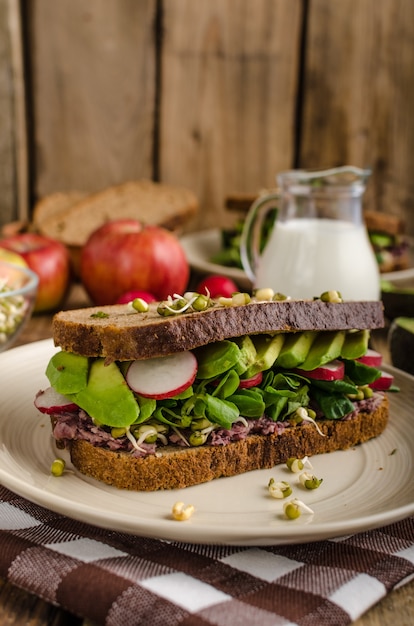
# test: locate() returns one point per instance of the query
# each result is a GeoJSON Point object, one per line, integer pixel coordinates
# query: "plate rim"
{"type": "Point", "coordinates": [167, 529]}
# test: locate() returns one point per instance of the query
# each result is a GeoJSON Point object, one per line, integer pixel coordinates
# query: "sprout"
{"type": "Point", "coordinates": [280, 489]}
{"type": "Point", "coordinates": [307, 415]}
{"type": "Point", "coordinates": [264, 294]}
{"type": "Point", "coordinates": [331, 296]}
{"type": "Point", "coordinates": [182, 512]}
{"type": "Point", "coordinates": [140, 305]}
{"type": "Point", "coordinates": [297, 465]}
{"type": "Point", "coordinates": [294, 508]}
{"type": "Point", "coordinates": [197, 438]}
{"type": "Point", "coordinates": [58, 467]}
{"type": "Point", "coordinates": [309, 480]}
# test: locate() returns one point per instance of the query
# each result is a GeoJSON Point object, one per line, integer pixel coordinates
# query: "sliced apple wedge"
{"type": "Point", "coordinates": [162, 377]}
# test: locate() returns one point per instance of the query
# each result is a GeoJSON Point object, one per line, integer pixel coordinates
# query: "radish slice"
{"type": "Point", "coordinates": [382, 383]}
{"type": "Point", "coordinates": [334, 370]}
{"type": "Point", "coordinates": [162, 377]}
{"type": "Point", "coordinates": [371, 358]}
{"type": "Point", "coordinates": [254, 381]}
{"type": "Point", "coordinates": [50, 401]}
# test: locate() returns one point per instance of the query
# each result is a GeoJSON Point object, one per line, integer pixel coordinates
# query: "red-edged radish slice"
{"type": "Point", "coordinates": [162, 377]}
{"type": "Point", "coordinates": [253, 381]}
{"type": "Point", "coordinates": [334, 370]}
{"type": "Point", "coordinates": [50, 401]}
{"type": "Point", "coordinates": [382, 383]}
{"type": "Point", "coordinates": [371, 358]}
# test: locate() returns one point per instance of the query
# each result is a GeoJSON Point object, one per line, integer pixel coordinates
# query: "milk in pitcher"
{"type": "Point", "coordinates": [305, 257]}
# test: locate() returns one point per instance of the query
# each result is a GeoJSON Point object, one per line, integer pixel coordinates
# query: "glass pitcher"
{"type": "Point", "coordinates": [318, 241]}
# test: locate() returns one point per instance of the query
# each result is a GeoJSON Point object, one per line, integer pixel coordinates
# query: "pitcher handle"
{"type": "Point", "coordinates": [250, 241]}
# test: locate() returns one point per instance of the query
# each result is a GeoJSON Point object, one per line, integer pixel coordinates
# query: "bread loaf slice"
{"type": "Point", "coordinates": [152, 203]}
{"type": "Point", "coordinates": [53, 205]}
{"type": "Point", "coordinates": [176, 468]}
{"type": "Point", "coordinates": [116, 333]}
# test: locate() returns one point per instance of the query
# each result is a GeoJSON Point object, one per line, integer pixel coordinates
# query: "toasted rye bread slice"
{"type": "Point", "coordinates": [115, 333]}
{"type": "Point", "coordinates": [177, 468]}
{"type": "Point", "coordinates": [151, 203]}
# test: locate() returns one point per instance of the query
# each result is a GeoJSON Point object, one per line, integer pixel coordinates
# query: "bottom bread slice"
{"type": "Point", "coordinates": [176, 468]}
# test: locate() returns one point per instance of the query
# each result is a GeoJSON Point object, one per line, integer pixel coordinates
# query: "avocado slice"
{"type": "Point", "coordinates": [68, 372]}
{"type": "Point", "coordinates": [216, 358]}
{"type": "Point", "coordinates": [355, 344]}
{"type": "Point", "coordinates": [107, 398]}
{"type": "Point", "coordinates": [248, 353]}
{"type": "Point", "coordinates": [326, 347]}
{"type": "Point", "coordinates": [295, 349]}
{"type": "Point", "coordinates": [267, 350]}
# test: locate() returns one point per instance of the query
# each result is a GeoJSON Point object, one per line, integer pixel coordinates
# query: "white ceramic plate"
{"type": "Point", "coordinates": [363, 488]}
{"type": "Point", "coordinates": [201, 246]}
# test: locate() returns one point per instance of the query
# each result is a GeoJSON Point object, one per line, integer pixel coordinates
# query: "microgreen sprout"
{"type": "Point", "coordinates": [307, 415]}
{"type": "Point", "coordinates": [294, 508]}
{"type": "Point", "coordinates": [237, 299]}
{"type": "Point", "coordinates": [309, 480]}
{"type": "Point", "coordinates": [58, 467]}
{"type": "Point", "coordinates": [133, 440]}
{"type": "Point", "coordinates": [182, 512]}
{"type": "Point", "coordinates": [177, 304]}
{"type": "Point", "coordinates": [297, 465]}
{"type": "Point", "coordinates": [280, 489]}
{"type": "Point", "coordinates": [265, 294]}
{"type": "Point", "coordinates": [140, 305]}
{"type": "Point", "coordinates": [331, 296]}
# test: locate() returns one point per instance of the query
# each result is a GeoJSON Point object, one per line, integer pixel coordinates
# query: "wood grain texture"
{"type": "Point", "coordinates": [229, 80]}
{"type": "Point", "coordinates": [93, 75]}
{"type": "Point", "coordinates": [8, 196]}
{"type": "Point", "coordinates": [358, 93]}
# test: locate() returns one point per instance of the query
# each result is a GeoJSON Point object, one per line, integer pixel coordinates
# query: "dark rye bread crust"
{"type": "Point", "coordinates": [184, 467]}
{"type": "Point", "coordinates": [124, 335]}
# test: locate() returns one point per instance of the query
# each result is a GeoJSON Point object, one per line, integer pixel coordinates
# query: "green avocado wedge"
{"type": "Point", "coordinates": [326, 347]}
{"type": "Point", "coordinates": [67, 372]}
{"type": "Point", "coordinates": [295, 349]}
{"type": "Point", "coordinates": [267, 350]}
{"type": "Point", "coordinates": [355, 344]}
{"type": "Point", "coordinates": [107, 398]}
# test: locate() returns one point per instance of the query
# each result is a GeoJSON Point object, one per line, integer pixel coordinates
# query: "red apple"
{"type": "Point", "coordinates": [49, 259]}
{"type": "Point", "coordinates": [124, 255]}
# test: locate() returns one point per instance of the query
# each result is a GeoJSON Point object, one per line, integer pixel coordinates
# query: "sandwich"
{"type": "Point", "coordinates": [387, 236]}
{"type": "Point", "coordinates": [177, 393]}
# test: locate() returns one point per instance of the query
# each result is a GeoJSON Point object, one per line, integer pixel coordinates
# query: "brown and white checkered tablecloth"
{"type": "Point", "coordinates": [114, 578]}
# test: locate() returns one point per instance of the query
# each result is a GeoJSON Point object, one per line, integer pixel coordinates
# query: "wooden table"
{"type": "Point", "coordinates": [20, 608]}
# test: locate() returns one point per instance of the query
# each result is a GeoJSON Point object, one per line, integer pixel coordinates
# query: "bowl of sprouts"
{"type": "Point", "coordinates": [18, 289]}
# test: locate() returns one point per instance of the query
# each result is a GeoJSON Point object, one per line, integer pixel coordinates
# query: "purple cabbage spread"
{"type": "Point", "coordinates": [77, 425]}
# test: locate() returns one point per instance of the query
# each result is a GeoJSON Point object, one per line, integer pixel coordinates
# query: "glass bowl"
{"type": "Point", "coordinates": [18, 289]}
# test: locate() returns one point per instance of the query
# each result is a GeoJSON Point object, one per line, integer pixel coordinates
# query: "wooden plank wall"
{"type": "Point", "coordinates": [8, 201]}
{"type": "Point", "coordinates": [217, 95]}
